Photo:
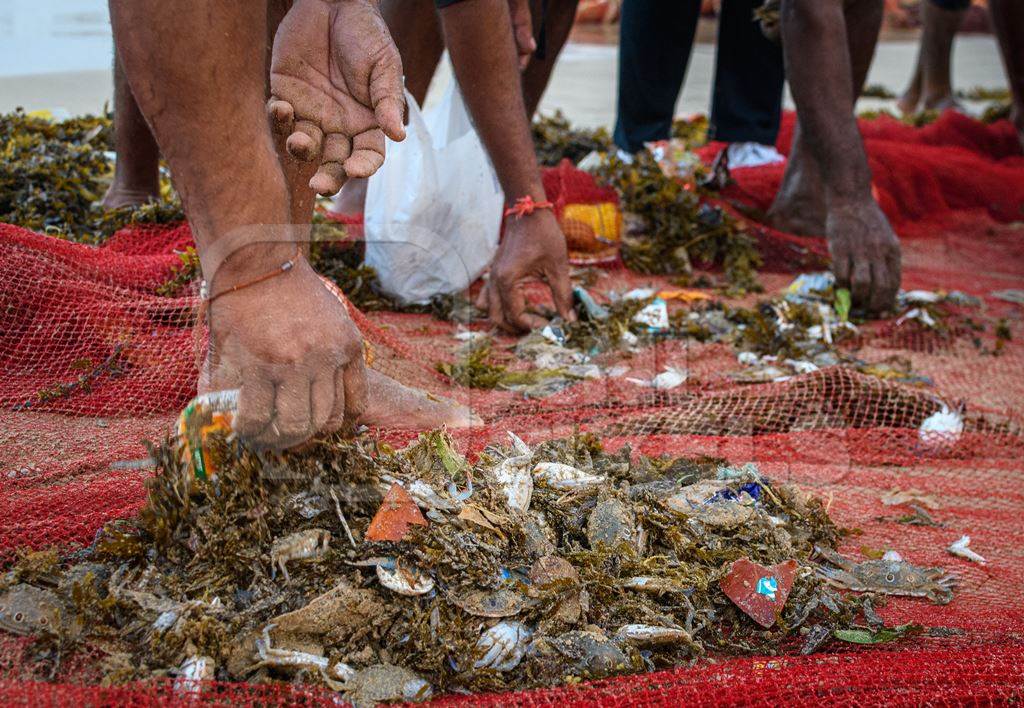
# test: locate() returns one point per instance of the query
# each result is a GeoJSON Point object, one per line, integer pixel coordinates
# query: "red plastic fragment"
{"type": "Point", "coordinates": [758, 591]}
{"type": "Point", "coordinates": [394, 517]}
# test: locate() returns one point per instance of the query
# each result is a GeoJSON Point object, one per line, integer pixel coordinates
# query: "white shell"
{"type": "Point", "coordinates": [649, 635]}
{"type": "Point", "coordinates": [518, 444]}
{"type": "Point", "coordinates": [559, 476]}
{"type": "Point", "coordinates": [960, 548]}
{"type": "Point", "coordinates": [941, 429]}
{"type": "Point", "coordinates": [513, 476]}
{"type": "Point", "coordinates": [502, 646]}
{"type": "Point", "coordinates": [407, 580]}
{"type": "Point", "coordinates": [654, 315]}
{"type": "Point", "coordinates": [665, 381]}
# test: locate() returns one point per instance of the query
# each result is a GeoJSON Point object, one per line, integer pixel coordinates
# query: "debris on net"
{"type": "Point", "coordinates": [555, 140]}
{"type": "Point", "coordinates": [54, 173]}
{"type": "Point", "coordinates": [393, 574]}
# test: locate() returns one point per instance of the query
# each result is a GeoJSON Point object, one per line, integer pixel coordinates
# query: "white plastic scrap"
{"type": "Point", "coordinates": [654, 315]}
{"type": "Point", "coordinates": [665, 381]}
{"type": "Point", "coordinates": [639, 294]}
{"type": "Point", "coordinates": [960, 548]}
{"type": "Point", "coordinates": [942, 428]}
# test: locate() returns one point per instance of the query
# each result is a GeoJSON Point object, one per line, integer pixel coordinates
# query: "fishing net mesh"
{"type": "Point", "coordinates": [93, 361]}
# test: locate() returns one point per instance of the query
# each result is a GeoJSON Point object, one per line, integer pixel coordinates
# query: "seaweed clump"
{"type": "Point", "coordinates": [53, 175]}
{"type": "Point", "coordinates": [555, 139]}
{"type": "Point", "coordinates": [675, 230]}
{"type": "Point", "coordinates": [529, 566]}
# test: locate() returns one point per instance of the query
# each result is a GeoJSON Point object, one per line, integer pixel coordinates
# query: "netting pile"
{"type": "Point", "coordinates": [93, 361]}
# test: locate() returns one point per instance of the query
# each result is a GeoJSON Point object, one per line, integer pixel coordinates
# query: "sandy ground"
{"type": "Point", "coordinates": [56, 55]}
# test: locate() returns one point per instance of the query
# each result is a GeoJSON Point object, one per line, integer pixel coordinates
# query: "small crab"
{"type": "Point", "coordinates": [889, 576]}
{"type": "Point", "coordinates": [296, 546]}
{"type": "Point", "coordinates": [26, 609]}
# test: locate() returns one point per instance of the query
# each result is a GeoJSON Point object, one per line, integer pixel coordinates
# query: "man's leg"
{"type": "Point", "coordinates": [828, 53]}
{"type": "Point", "coordinates": [656, 37]}
{"type": "Point", "coordinates": [137, 171]}
{"type": "Point", "coordinates": [555, 17]}
{"type": "Point", "coordinates": [1008, 20]}
{"type": "Point", "coordinates": [479, 37]}
{"type": "Point", "coordinates": [749, 75]}
{"type": "Point", "coordinates": [931, 85]}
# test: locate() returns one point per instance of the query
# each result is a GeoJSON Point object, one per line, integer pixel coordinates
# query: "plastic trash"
{"type": "Point", "coordinates": [433, 211]}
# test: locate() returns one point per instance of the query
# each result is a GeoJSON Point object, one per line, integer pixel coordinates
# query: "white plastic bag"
{"type": "Point", "coordinates": [433, 211]}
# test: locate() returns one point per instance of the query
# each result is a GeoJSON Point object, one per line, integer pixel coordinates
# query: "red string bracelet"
{"type": "Point", "coordinates": [280, 270]}
{"type": "Point", "coordinates": [524, 206]}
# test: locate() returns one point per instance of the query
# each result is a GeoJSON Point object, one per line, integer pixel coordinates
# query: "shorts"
{"type": "Point", "coordinates": [945, 4]}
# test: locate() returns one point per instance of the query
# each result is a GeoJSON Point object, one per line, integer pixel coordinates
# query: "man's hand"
{"type": "Point", "coordinates": [522, 28]}
{"type": "Point", "coordinates": [865, 253]}
{"type": "Point", "coordinates": [290, 346]}
{"type": "Point", "coordinates": [533, 248]}
{"type": "Point", "coordinates": [336, 88]}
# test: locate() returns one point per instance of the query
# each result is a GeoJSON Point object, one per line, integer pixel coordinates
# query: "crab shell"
{"type": "Point", "coordinates": [650, 635]}
{"type": "Point", "coordinates": [565, 477]}
{"type": "Point", "coordinates": [502, 646]}
{"type": "Point", "coordinates": [513, 477]}
{"type": "Point", "coordinates": [408, 580]}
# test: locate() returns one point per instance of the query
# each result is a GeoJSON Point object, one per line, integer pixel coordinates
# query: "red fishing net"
{"type": "Point", "coordinates": [93, 361]}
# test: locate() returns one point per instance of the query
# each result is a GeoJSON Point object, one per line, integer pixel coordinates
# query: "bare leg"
{"type": "Point", "coordinates": [1008, 20]}
{"type": "Point", "coordinates": [137, 171]}
{"type": "Point", "coordinates": [828, 52]}
{"type": "Point", "coordinates": [557, 23]}
{"type": "Point", "coordinates": [911, 98]}
{"type": "Point", "coordinates": [940, 28]}
{"type": "Point", "coordinates": [483, 50]}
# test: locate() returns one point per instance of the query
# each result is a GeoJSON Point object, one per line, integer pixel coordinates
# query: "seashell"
{"type": "Point", "coordinates": [565, 477]}
{"type": "Point", "coordinates": [192, 671]}
{"type": "Point", "coordinates": [385, 683]}
{"type": "Point", "coordinates": [520, 447]}
{"type": "Point", "coordinates": [502, 646]}
{"type": "Point", "coordinates": [698, 501]}
{"type": "Point", "coordinates": [960, 548]}
{"type": "Point", "coordinates": [651, 585]}
{"type": "Point", "coordinates": [610, 524]}
{"type": "Point", "coordinates": [513, 476]}
{"type": "Point", "coordinates": [405, 580]}
{"type": "Point", "coordinates": [941, 429]}
{"type": "Point", "coordinates": [426, 497]}
{"type": "Point", "coordinates": [582, 652]}
{"type": "Point", "coordinates": [668, 379]}
{"type": "Point", "coordinates": [549, 570]}
{"type": "Point", "coordinates": [491, 603]}
{"type": "Point", "coordinates": [649, 635]}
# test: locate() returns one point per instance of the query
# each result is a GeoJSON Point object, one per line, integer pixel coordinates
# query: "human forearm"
{"type": "Point", "coordinates": [479, 37]}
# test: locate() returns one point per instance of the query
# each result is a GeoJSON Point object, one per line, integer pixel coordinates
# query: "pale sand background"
{"type": "Point", "coordinates": [56, 55]}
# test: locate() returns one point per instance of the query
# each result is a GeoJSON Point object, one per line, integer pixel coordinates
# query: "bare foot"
{"type": "Point", "coordinates": [865, 253]}
{"type": "Point", "coordinates": [908, 102]}
{"type": "Point", "coordinates": [799, 207]}
{"type": "Point", "coordinates": [941, 101]}
{"type": "Point", "coordinates": [118, 196]}
{"type": "Point", "coordinates": [395, 406]}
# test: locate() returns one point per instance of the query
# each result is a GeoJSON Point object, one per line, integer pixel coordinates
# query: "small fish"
{"type": "Point", "coordinates": [405, 579]}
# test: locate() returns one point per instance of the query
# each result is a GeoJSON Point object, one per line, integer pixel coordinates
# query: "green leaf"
{"type": "Point", "coordinates": [843, 303]}
{"type": "Point", "coordinates": [883, 635]}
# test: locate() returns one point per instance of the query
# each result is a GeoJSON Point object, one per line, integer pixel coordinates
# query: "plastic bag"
{"type": "Point", "coordinates": [433, 211]}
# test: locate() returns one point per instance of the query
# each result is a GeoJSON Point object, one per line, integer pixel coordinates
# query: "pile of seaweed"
{"type": "Point", "coordinates": [53, 176]}
{"type": "Point", "coordinates": [391, 574]}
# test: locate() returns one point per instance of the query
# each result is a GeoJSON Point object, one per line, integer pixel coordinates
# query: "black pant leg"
{"type": "Point", "coordinates": [656, 37]}
{"type": "Point", "coordinates": [749, 76]}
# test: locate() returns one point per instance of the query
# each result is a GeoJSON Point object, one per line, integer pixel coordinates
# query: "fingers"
{"type": "Point", "coordinates": [322, 399]}
{"type": "Point", "coordinates": [561, 294]}
{"type": "Point", "coordinates": [367, 154]}
{"type": "Point", "coordinates": [860, 282]}
{"type": "Point", "coordinates": [305, 141]}
{"type": "Point", "coordinates": [885, 275]}
{"type": "Point", "coordinates": [292, 422]}
{"type": "Point", "coordinates": [354, 382]}
{"type": "Point", "coordinates": [331, 175]}
{"type": "Point", "coordinates": [282, 116]}
{"type": "Point", "coordinates": [255, 405]}
{"type": "Point", "coordinates": [387, 96]}
{"type": "Point", "coordinates": [513, 306]}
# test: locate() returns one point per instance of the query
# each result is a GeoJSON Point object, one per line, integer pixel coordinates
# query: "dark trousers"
{"type": "Point", "coordinates": [656, 38]}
